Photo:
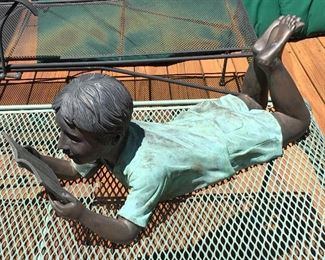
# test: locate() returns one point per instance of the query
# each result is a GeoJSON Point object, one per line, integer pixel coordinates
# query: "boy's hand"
{"type": "Point", "coordinates": [72, 210]}
{"type": "Point", "coordinates": [33, 151]}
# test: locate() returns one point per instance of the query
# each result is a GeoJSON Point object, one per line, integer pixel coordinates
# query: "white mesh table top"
{"type": "Point", "coordinates": [274, 210]}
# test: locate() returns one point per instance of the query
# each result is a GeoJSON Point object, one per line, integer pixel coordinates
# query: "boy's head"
{"type": "Point", "coordinates": [97, 105]}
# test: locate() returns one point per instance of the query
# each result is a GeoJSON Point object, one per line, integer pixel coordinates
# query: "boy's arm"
{"type": "Point", "coordinates": [118, 230]}
{"type": "Point", "coordinates": [62, 168]}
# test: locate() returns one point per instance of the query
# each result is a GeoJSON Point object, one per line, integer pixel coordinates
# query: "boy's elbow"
{"type": "Point", "coordinates": [128, 233]}
{"type": "Point", "coordinates": [70, 175]}
{"type": "Point", "coordinates": [127, 239]}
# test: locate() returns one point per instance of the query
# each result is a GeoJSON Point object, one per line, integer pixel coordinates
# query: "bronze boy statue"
{"type": "Point", "coordinates": [203, 145]}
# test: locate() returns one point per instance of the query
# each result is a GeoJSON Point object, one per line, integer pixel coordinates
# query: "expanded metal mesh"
{"type": "Point", "coordinates": [122, 28]}
{"type": "Point", "coordinates": [12, 34]}
{"type": "Point", "coordinates": [274, 210]}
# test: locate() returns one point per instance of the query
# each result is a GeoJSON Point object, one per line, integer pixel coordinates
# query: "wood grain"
{"type": "Point", "coordinates": [303, 59]}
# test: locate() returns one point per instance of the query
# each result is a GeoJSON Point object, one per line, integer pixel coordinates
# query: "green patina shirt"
{"type": "Point", "coordinates": [206, 144]}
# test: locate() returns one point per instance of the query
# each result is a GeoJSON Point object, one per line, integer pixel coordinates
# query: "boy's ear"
{"type": "Point", "coordinates": [115, 139]}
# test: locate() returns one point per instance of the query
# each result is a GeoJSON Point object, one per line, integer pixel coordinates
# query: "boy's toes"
{"type": "Point", "coordinates": [286, 19]}
{"type": "Point", "coordinates": [299, 25]}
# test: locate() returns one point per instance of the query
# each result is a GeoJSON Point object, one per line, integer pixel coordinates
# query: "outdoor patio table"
{"type": "Point", "coordinates": [74, 35]}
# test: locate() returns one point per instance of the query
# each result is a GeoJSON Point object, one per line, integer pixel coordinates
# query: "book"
{"type": "Point", "coordinates": [43, 173]}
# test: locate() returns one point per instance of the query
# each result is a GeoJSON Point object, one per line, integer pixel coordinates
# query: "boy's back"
{"type": "Point", "coordinates": [202, 146]}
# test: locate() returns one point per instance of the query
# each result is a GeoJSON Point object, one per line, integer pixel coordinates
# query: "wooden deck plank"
{"type": "Point", "coordinates": [322, 40]}
{"type": "Point", "coordinates": [303, 59]}
{"type": "Point", "coordinates": [2, 88]}
{"type": "Point", "coordinates": [240, 65]}
{"type": "Point", "coordinates": [211, 71]}
{"type": "Point", "coordinates": [130, 85]}
{"type": "Point", "coordinates": [127, 80]}
{"type": "Point", "coordinates": [122, 75]}
{"type": "Point", "coordinates": [16, 94]}
{"type": "Point", "coordinates": [28, 76]}
{"type": "Point", "coordinates": [44, 92]}
{"type": "Point", "coordinates": [177, 91]}
{"type": "Point", "coordinates": [63, 75]}
{"type": "Point", "coordinates": [142, 91]}
{"type": "Point", "coordinates": [311, 55]}
{"type": "Point", "coordinates": [229, 66]}
{"type": "Point", "coordinates": [159, 90]}
{"type": "Point", "coordinates": [210, 67]}
{"type": "Point", "coordinates": [304, 84]}
{"type": "Point", "coordinates": [213, 81]}
{"type": "Point", "coordinates": [194, 68]}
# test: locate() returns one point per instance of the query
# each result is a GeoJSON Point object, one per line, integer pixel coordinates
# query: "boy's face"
{"type": "Point", "coordinates": [80, 146]}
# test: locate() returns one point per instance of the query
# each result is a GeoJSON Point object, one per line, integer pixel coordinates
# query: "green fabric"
{"type": "Point", "coordinates": [262, 12]}
{"type": "Point", "coordinates": [203, 145]}
{"type": "Point", "coordinates": [316, 17]}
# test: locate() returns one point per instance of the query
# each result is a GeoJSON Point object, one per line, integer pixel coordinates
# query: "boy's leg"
{"type": "Point", "coordinates": [291, 111]}
{"type": "Point", "coordinates": [254, 89]}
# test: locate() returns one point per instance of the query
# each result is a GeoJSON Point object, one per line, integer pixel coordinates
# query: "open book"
{"type": "Point", "coordinates": [40, 169]}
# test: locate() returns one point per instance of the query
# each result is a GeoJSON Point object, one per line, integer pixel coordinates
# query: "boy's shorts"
{"type": "Point", "coordinates": [253, 136]}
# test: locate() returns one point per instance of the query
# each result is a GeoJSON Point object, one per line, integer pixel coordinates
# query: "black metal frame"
{"type": "Point", "coordinates": [15, 71]}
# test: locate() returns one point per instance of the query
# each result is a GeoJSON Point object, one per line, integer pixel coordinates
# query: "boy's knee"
{"type": "Point", "coordinates": [292, 128]}
{"type": "Point", "coordinates": [303, 121]}
{"type": "Point", "coordinates": [306, 122]}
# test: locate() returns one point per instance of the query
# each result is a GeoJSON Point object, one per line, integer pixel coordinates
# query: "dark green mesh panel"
{"type": "Point", "coordinates": [130, 28]}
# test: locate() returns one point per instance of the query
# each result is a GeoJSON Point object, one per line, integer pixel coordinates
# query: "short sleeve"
{"type": "Point", "coordinates": [144, 195]}
{"type": "Point", "coordinates": [84, 169]}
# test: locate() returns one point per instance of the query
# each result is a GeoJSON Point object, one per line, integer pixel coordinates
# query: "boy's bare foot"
{"type": "Point", "coordinates": [262, 41]}
{"type": "Point", "coordinates": [277, 40]}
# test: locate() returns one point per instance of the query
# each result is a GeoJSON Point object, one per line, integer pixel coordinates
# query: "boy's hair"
{"type": "Point", "coordinates": [95, 103]}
